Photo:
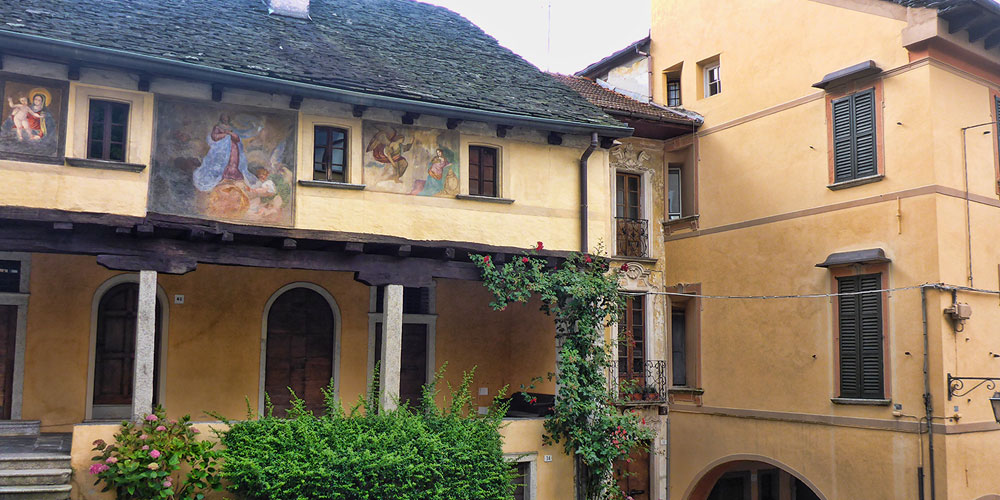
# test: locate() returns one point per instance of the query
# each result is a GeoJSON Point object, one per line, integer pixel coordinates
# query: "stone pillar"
{"type": "Point", "coordinates": [145, 346]}
{"type": "Point", "coordinates": [392, 344]}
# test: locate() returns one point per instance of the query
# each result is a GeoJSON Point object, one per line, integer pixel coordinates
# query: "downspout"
{"type": "Point", "coordinates": [584, 247]}
{"type": "Point", "coordinates": [928, 406]}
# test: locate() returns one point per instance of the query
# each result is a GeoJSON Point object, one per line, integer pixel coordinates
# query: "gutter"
{"type": "Point", "coordinates": [63, 51]}
{"type": "Point", "coordinates": [645, 116]}
{"type": "Point", "coordinates": [583, 192]}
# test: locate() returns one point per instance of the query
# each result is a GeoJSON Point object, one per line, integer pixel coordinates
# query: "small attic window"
{"type": "Point", "coordinates": [290, 8]}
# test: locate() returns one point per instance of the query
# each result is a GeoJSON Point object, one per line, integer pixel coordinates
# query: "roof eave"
{"type": "Point", "coordinates": [69, 52]}
{"type": "Point", "coordinates": [612, 60]}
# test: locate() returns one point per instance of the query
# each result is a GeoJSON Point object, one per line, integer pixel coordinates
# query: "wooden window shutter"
{"type": "Point", "coordinates": [855, 149]}
{"type": "Point", "coordinates": [843, 140]}
{"type": "Point", "coordinates": [865, 155]}
{"type": "Point", "coordinates": [861, 370]}
{"type": "Point", "coordinates": [996, 117]}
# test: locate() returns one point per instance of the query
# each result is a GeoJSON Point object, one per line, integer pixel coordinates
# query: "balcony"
{"type": "Point", "coordinates": [645, 385]}
{"type": "Point", "coordinates": [631, 237]}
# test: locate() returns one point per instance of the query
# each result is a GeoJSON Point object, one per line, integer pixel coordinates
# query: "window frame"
{"type": "Point", "coordinates": [995, 113]}
{"type": "Point", "coordinates": [881, 269]}
{"type": "Point", "coordinates": [327, 161]}
{"type": "Point", "coordinates": [691, 392]}
{"type": "Point", "coordinates": [707, 69]}
{"type": "Point", "coordinates": [675, 81]}
{"type": "Point", "coordinates": [625, 324]}
{"type": "Point", "coordinates": [850, 90]}
{"type": "Point", "coordinates": [530, 480]}
{"type": "Point", "coordinates": [478, 177]}
{"type": "Point", "coordinates": [375, 316]}
{"type": "Point", "coordinates": [108, 105]}
{"type": "Point", "coordinates": [671, 169]}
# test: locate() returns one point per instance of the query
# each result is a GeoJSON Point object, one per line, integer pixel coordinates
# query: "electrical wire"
{"type": "Point", "coordinates": [938, 286]}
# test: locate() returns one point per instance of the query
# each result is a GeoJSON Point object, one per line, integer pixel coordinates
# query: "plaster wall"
{"type": "Point", "coordinates": [631, 76]}
{"type": "Point", "coordinates": [543, 180]}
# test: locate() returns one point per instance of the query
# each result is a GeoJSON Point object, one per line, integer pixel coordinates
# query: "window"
{"type": "Point", "coordinates": [107, 130]}
{"type": "Point", "coordinates": [632, 341]}
{"type": "Point", "coordinates": [678, 347]}
{"type": "Point", "coordinates": [482, 171]}
{"type": "Point", "coordinates": [674, 204]}
{"type": "Point", "coordinates": [520, 479]}
{"type": "Point", "coordinates": [417, 339]}
{"type": "Point", "coordinates": [673, 91]}
{"type": "Point", "coordinates": [995, 104]}
{"type": "Point", "coordinates": [329, 154]}
{"type": "Point", "coordinates": [685, 329]}
{"type": "Point", "coordinates": [860, 333]}
{"type": "Point", "coordinates": [524, 466]}
{"type": "Point", "coordinates": [631, 237]}
{"type": "Point", "coordinates": [713, 80]}
{"type": "Point", "coordinates": [853, 120]}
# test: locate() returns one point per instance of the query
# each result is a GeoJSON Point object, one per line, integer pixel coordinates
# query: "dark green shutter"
{"type": "Point", "coordinates": [864, 134]}
{"type": "Point", "coordinates": [843, 140]}
{"type": "Point", "coordinates": [861, 370]}
{"type": "Point", "coordinates": [854, 136]}
{"type": "Point", "coordinates": [996, 116]}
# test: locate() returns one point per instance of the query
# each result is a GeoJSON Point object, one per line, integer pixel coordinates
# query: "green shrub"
{"type": "Point", "coordinates": [145, 460]}
{"type": "Point", "coordinates": [422, 453]}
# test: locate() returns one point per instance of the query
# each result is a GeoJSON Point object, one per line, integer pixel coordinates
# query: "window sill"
{"type": "Point", "coordinates": [644, 260]}
{"type": "Point", "coordinates": [686, 390]}
{"type": "Point", "coordinates": [332, 184]}
{"type": "Point", "coordinates": [861, 402]}
{"type": "Point", "coordinates": [855, 182]}
{"type": "Point", "coordinates": [105, 164]}
{"type": "Point", "coordinates": [686, 222]}
{"type": "Point", "coordinates": [488, 199]}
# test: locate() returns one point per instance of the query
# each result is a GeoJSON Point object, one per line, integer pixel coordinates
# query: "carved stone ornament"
{"type": "Point", "coordinates": [636, 277]}
{"type": "Point", "coordinates": [626, 156]}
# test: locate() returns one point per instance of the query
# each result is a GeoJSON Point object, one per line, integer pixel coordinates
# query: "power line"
{"type": "Point", "coordinates": [939, 286]}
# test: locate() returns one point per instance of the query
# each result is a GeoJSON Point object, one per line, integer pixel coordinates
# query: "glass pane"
{"type": "Point", "coordinates": [318, 155]}
{"type": "Point", "coordinates": [336, 136]}
{"type": "Point", "coordinates": [674, 193]}
{"type": "Point", "coordinates": [337, 175]}
{"type": "Point", "coordinates": [337, 157]}
{"type": "Point", "coordinates": [118, 133]}
{"type": "Point", "coordinates": [96, 111]}
{"type": "Point", "coordinates": [119, 112]}
{"type": "Point", "coordinates": [489, 189]}
{"type": "Point", "coordinates": [488, 174]}
{"type": "Point", "coordinates": [97, 132]}
{"type": "Point", "coordinates": [320, 137]}
{"type": "Point", "coordinates": [117, 153]}
{"type": "Point", "coordinates": [96, 150]}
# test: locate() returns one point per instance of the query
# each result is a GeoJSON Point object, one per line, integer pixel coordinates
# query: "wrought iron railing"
{"type": "Point", "coordinates": [644, 384]}
{"type": "Point", "coordinates": [631, 237]}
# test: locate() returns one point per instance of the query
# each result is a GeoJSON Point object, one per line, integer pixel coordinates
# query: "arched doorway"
{"type": "Point", "coordinates": [113, 348]}
{"type": "Point", "coordinates": [300, 340]}
{"type": "Point", "coordinates": [755, 478]}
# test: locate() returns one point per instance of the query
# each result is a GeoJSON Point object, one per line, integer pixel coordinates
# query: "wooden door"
{"type": "Point", "coordinates": [300, 336]}
{"type": "Point", "coordinates": [115, 350]}
{"type": "Point", "coordinates": [8, 332]}
{"type": "Point", "coordinates": [633, 474]}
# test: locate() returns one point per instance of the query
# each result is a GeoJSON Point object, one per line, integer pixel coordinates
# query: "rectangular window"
{"type": "Point", "coordinates": [853, 120]}
{"type": "Point", "coordinates": [482, 171]}
{"type": "Point", "coordinates": [329, 154]}
{"type": "Point", "coordinates": [632, 341]}
{"type": "Point", "coordinates": [996, 134]}
{"type": "Point", "coordinates": [678, 347]}
{"type": "Point", "coordinates": [627, 191]}
{"type": "Point", "coordinates": [713, 80]}
{"type": "Point", "coordinates": [674, 200]}
{"type": "Point", "coordinates": [107, 130]}
{"type": "Point", "coordinates": [521, 480]}
{"type": "Point", "coordinates": [631, 229]}
{"type": "Point", "coordinates": [860, 332]}
{"type": "Point", "coordinates": [673, 91]}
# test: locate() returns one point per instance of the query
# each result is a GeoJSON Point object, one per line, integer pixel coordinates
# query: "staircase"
{"type": "Point", "coordinates": [33, 466]}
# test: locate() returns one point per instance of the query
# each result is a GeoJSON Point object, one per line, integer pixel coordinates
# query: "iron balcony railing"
{"type": "Point", "coordinates": [631, 237]}
{"type": "Point", "coordinates": [643, 384]}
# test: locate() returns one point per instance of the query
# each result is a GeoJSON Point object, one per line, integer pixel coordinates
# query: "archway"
{"type": "Point", "coordinates": [112, 348]}
{"type": "Point", "coordinates": [751, 478]}
{"type": "Point", "coordinates": [300, 343]}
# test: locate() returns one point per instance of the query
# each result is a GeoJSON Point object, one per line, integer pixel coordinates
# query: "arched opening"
{"type": "Point", "coordinates": [752, 479]}
{"type": "Point", "coordinates": [300, 340]}
{"type": "Point", "coordinates": [113, 351]}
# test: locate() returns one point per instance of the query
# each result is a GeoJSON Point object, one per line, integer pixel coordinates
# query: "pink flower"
{"type": "Point", "coordinates": [167, 483]}
{"type": "Point", "coordinates": [98, 468]}
{"type": "Point", "coordinates": [152, 418]}
{"type": "Point", "coordinates": [155, 453]}
{"type": "Point", "coordinates": [145, 447]}
{"type": "Point", "coordinates": [153, 466]}
{"type": "Point", "coordinates": [112, 460]}
{"type": "Point", "coordinates": [539, 246]}
{"type": "Point", "coordinates": [144, 437]}
{"type": "Point", "coordinates": [195, 431]}
{"type": "Point", "coordinates": [524, 259]}
{"type": "Point", "coordinates": [161, 428]}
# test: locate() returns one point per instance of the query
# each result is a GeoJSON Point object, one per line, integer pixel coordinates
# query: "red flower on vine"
{"type": "Point", "coordinates": [587, 259]}
{"type": "Point", "coordinates": [524, 259]}
{"type": "Point", "coordinates": [624, 268]}
{"type": "Point", "coordinates": [486, 259]}
{"type": "Point", "coordinates": [539, 247]}
{"type": "Point", "coordinates": [533, 401]}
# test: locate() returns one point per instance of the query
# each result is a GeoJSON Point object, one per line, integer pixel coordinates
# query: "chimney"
{"type": "Point", "coordinates": [291, 8]}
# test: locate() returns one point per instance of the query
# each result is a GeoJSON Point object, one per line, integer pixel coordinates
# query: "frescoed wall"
{"type": "Point", "coordinates": [33, 119]}
{"type": "Point", "coordinates": [224, 162]}
{"type": "Point", "coordinates": [410, 160]}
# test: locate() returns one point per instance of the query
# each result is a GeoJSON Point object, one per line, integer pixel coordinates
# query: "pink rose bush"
{"type": "Point", "coordinates": [148, 458]}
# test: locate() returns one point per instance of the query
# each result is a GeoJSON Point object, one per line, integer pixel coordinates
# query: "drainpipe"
{"type": "Point", "coordinates": [584, 247]}
{"type": "Point", "coordinates": [928, 406]}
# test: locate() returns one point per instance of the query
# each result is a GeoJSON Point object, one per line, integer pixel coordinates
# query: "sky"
{"type": "Point", "coordinates": [582, 31]}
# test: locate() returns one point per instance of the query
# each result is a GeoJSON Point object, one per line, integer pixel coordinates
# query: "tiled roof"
{"type": "Point", "coordinates": [619, 104]}
{"type": "Point", "coordinates": [394, 48]}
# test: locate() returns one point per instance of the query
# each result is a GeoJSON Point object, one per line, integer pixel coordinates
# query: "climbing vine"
{"type": "Point", "coordinates": [582, 294]}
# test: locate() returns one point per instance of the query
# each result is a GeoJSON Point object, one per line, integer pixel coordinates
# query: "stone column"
{"type": "Point", "coordinates": [392, 344]}
{"type": "Point", "coordinates": [145, 346]}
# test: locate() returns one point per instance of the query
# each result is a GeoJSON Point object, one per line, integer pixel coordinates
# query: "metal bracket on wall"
{"type": "Point", "coordinates": [956, 385]}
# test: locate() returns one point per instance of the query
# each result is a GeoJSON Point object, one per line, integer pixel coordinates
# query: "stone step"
{"type": "Point", "coordinates": [54, 442]}
{"type": "Point", "coordinates": [29, 428]}
{"type": "Point", "coordinates": [38, 477]}
{"type": "Point", "coordinates": [54, 492]}
{"type": "Point", "coordinates": [22, 461]}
